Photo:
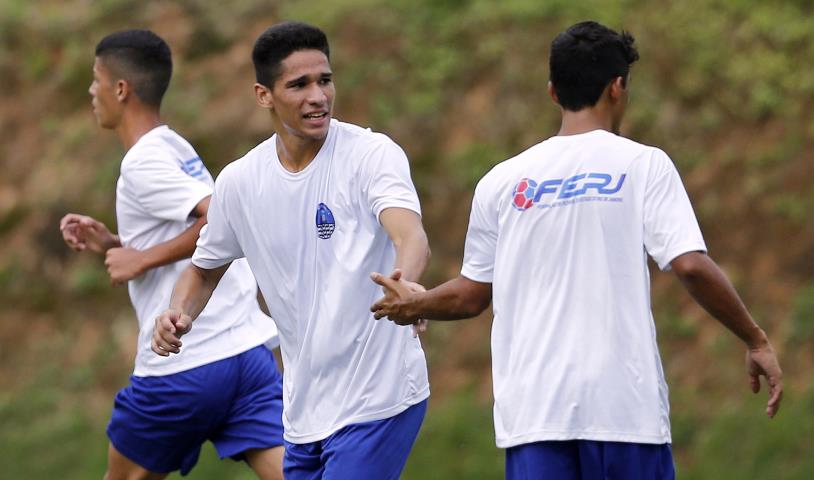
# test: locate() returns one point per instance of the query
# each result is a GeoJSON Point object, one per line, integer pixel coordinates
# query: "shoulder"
{"type": "Point", "coordinates": [243, 168]}
{"type": "Point", "coordinates": [364, 141]}
{"type": "Point", "coordinates": [633, 148]}
{"type": "Point", "coordinates": [153, 151]}
{"type": "Point", "coordinates": [509, 169]}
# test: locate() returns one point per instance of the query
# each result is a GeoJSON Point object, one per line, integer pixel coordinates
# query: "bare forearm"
{"type": "Point", "coordinates": [413, 255]}
{"type": "Point", "coordinates": [712, 290]}
{"type": "Point", "coordinates": [194, 288]}
{"type": "Point", "coordinates": [455, 299]}
{"type": "Point", "coordinates": [113, 242]}
{"type": "Point", "coordinates": [178, 248]}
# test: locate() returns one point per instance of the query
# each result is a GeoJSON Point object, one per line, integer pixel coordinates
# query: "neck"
{"type": "Point", "coordinates": [585, 120]}
{"type": "Point", "coordinates": [295, 152]}
{"type": "Point", "coordinates": [135, 124]}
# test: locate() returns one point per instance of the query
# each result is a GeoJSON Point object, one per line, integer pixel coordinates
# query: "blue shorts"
{"type": "Point", "coordinates": [161, 422]}
{"type": "Point", "coordinates": [589, 460]}
{"type": "Point", "coordinates": [376, 449]}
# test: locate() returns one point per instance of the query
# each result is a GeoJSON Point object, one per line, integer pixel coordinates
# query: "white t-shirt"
{"type": "Point", "coordinates": [312, 238]}
{"type": "Point", "coordinates": [161, 181]}
{"type": "Point", "coordinates": [562, 231]}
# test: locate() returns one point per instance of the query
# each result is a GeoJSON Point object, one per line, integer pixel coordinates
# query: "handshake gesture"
{"type": "Point", "coordinates": [395, 303]}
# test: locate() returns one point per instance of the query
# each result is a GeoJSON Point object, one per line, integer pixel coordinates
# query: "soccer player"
{"type": "Point", "coordinates": [314, 209]}
{"type": "Point", "coordinates": [558, 239]}
{"type": "Point", "coordinates": [225, 387]}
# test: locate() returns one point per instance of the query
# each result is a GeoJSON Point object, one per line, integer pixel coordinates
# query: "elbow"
{"type": "Point", "coordinates": [478, 307]}
{"type": "Point", "coordinates": [475, 305]}
{"type": "Point", "coordinates": [690, 267]}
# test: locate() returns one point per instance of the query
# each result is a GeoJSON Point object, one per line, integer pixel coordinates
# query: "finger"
{"type": "Point", "coordinates": [164, 326]}
{"type": "Point", "coordinates": [378, 305]}
{"type": "Point", "coordinates": [754, 382]}
{"type": "Point", "coordinates": [380, 279]}
{"type": "Point", "coordinates": [68, 219]}
{"type": "Point", "coordinates": [378, 315]}
{"type": "Point", "coordinates": [396, 274]}
{"type": "Point", "coordinates": [168, 347]}
{"type": "Point", "coordinates": [165, 341]}
{"type": "Point", "coordinates": [775, 396]}
{"type": "Point", "coordinates": [157, 349]}
{"type": "Point", "coordinates": [166, 338]}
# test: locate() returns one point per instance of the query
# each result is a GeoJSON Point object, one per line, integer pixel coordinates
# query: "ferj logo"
{"type": "Point", "coordinates": [528, 192]}
{"type": "Point", "coordinates": [325, 222]}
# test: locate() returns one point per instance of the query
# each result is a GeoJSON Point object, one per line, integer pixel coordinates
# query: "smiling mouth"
{"type": "Point", "coordinates": [315, 116]}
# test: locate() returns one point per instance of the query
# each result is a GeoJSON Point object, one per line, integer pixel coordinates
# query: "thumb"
{"type": "Point", "coordinates": [183, 324]}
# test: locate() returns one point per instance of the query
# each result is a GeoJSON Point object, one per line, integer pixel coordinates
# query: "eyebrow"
{"type": "Point", "coordinates": [304, 78]}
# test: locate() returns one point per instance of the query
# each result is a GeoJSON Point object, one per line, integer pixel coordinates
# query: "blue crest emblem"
{"type": "Point", "coordinates": [325, 222]}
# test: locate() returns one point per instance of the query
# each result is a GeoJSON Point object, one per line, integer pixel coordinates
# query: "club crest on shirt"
{"type": "Point", "coordinates": [325, 222]}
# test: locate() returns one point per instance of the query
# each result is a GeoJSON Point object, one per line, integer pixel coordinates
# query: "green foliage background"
{"type": "Point", "coordinates": [725, 87]}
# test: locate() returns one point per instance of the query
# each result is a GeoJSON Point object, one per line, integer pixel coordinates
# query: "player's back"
{"type": "Point", "coordinates": [574, 217]}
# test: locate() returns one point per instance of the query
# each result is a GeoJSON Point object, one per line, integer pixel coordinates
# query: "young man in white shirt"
{"type": "Point", "coordinates": [225, 387]}
{"type": "Point", "coordinates": [314, 209]}
{"type": "Point", "coordinates": [558, 238]}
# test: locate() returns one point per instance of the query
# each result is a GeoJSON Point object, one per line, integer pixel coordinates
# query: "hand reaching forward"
{"type": "Point", "coordinates": [762, 361]}
{"type": "Point", "coordinates": [395, 303]}
{"type": "Point", "coordinates": [420, 326]}
{"type": "Point", "coordinates": [169, 327]}
{"type": "Point", "coordinates": [81, 232]}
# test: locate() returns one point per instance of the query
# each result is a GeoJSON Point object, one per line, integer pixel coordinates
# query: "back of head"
{"type": "Point", "coordinates": [585, 59]}
{"type": "Point", "coordinates": [281, 40]}
{"type": "Point", "coordinates": [142, 58]}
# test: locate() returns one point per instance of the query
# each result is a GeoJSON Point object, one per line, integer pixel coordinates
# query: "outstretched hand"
{"type": "Point", "coordinates": [395, 303]}
{"type": "Point", "coordinates": [762, 361]}
{"type": "Point", "coordinates": [169, 327]}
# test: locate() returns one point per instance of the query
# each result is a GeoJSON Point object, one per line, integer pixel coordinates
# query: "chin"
{"type": "Point", "coordinates": [316, 135]}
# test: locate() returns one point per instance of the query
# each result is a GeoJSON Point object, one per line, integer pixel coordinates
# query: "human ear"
{"type": "Point", "coordinates": [553, 93]}
{"type": "Point", "coordinates": [617, 88]}
{"type": "Point", "coordinates": [122, 90]}
{"type": "Point", "coordinates": [263, 96]}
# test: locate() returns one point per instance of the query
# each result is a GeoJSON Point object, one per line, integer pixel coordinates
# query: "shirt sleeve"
{"type": "Point", "coordinates": [670, 226]}
{"type": "Point", "coordinates": [217, 244]}
{"type": "Point", "coordinates": [162, 188]}
{"type": "Point", "coordinates": [481, 237]}
{"type": "Point", "coordinates": [388, 182]}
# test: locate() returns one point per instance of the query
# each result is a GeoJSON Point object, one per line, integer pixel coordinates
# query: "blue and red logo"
{"type": "Point", "coordinates": [583, 187]}
{"type": "Point", "coordinates": [524, 192]}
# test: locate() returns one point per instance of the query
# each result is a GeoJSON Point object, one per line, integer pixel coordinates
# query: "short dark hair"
{"type": "Point", "coordinates": [281, 40]}
{"type": "Point", "coordinates": [142, 58]}
{"type": "Point", "coordinates": [585, 59]}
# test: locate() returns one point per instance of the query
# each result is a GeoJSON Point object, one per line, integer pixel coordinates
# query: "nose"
{"type": "Point", "coordinates": [316, 95]}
